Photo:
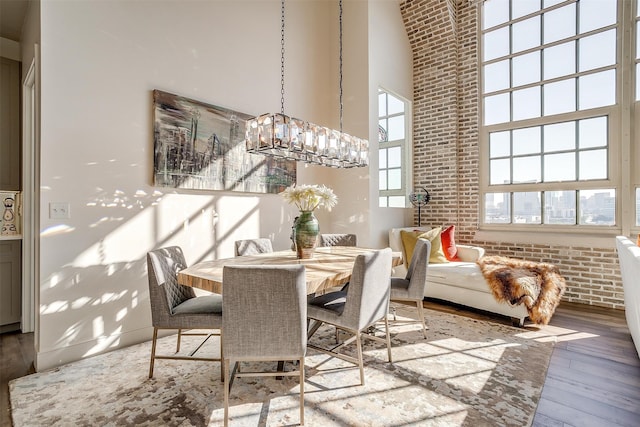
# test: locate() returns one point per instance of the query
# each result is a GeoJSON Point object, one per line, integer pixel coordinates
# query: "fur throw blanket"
{"type": "Point", "coordinates": [537, 285]}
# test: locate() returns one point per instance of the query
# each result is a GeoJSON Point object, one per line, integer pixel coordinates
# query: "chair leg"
{"type": "Point", "coordinates": [360, 361]}
{"type": "Point", "coordinates": [153, 352]}
{"type": "Point", "coordinates": [222, 372]}
{"type": "Point", "coordinates": [388, 337]}
{"type": "Point", "coordinates": [301, 367]}
{"type": "Point", "coordinates": [227, 385]}
{"type": "Point", "coordinates": [179, 337]}
{"type": "Point", "coordinates": [420, 307]}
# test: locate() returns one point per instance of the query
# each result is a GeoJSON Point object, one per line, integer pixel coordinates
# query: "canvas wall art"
{"type": "Point", "coordinates": [201, 146]}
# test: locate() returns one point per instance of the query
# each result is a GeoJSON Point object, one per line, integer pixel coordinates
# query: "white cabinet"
{"type": "Point", "coordinates": [10, 285]}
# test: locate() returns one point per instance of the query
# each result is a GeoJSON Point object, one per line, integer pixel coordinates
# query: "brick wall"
{"type": "Point", "coordinates": [443, 37]}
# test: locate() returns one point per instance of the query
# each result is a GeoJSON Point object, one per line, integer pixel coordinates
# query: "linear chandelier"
{"type": "Point", "coordinates": [279, 135]}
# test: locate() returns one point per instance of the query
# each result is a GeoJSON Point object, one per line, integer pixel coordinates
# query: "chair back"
{"type": "Point", "coordinates": [367, 299]}
{"type": "Point", "coordinates": [338, 240]}
{"type": "Point", "coordinates": [253, 246]}
{"type": "Point", "coordinates": [165, 292]}
{"type": "Point", "coordinates": [265, 312]}
{"type": "Point", "coordinates": [417, 271]}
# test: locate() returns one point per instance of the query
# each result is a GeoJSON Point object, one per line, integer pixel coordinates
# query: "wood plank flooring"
{"type": "Point", "coordinates": [593, 377]}
{"type": "Point", "coordinates": [16, 360]}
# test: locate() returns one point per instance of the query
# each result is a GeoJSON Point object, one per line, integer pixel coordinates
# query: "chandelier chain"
{"type": "Point", "coordinates": [340, 61]}
{"type": "Point", "coordinates": [281, 136]}
{"type": "Point", "coordinates": [282, 58]}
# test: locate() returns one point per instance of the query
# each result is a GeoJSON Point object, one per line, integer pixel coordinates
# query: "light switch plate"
{"type": "Point", "coordinates": [59, 210]}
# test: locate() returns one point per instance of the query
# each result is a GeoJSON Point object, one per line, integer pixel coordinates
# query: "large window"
{"type": "Point", "coordinates": [393, 113]}
{"type": "Point", "coordinates": [549, 102]}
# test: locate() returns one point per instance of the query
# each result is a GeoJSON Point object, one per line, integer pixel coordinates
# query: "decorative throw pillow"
{"type": "Point", "coordinates": [410, 238]}
{"type": "Point", "coordinates": [437, 255]}
{"type": "Point", "coordinates": [449, 244]}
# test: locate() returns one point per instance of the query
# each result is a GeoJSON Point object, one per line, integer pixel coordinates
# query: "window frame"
{"type": "Point", "coordinates": [406, 155]}
{"type": "Point", "coordinates": [615, 134]}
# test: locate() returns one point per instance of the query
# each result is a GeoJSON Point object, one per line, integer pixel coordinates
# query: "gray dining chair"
{"type": "Point", "coordinates": [365, 303]}
{"type": "Point", "coordinates": [411, 287]}
{"type": "Point", "coordinates": [338, 240]}
{"type": "Point", "coordinates": [265, 320]}
{"type": "Point", "coordinates": [174, 306]}
{"type": "Point", "coordinates": [253, 246]}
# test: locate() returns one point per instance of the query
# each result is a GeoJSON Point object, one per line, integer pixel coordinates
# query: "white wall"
{"type": "Point", "coordinates": [351, 215]}
{"type": "Point", "coordinates": [376, 52]}
{"type": "Point", "coordinates": [100, 62]}
{"type": "Point", "coordinates": [390, 67]}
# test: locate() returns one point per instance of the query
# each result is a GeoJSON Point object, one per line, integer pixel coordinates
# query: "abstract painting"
{"type": "Point", "coordinates": [201, 146]}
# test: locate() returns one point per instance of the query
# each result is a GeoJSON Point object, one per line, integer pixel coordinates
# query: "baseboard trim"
{"type": "Point", "coordinates": [53, 358]}
{"type": "Point", "coordinates": [11, 327]}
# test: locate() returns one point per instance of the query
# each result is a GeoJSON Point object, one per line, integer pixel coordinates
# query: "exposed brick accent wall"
{"type": "Point", "coordinates": [432, 34]}
{"type": "Point", "coordinates": [443, 37]}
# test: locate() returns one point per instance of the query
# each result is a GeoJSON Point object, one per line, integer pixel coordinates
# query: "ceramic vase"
{"type": "Point", "coordinates": [306, 234]}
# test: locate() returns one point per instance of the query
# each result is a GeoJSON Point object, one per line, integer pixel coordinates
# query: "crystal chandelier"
{"type": "Point", "coordinates": [279, 135]}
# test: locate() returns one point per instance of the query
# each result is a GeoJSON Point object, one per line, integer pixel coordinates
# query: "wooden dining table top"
{"type": "Point", "coordinates": [330, 266]}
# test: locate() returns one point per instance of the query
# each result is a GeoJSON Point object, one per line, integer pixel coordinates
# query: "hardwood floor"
{"type": "Point", "coordinates": [593, 377]}
{"type": "Point", "coordinates": [16, 360]}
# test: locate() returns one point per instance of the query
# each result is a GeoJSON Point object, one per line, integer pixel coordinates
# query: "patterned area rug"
{"type": "Point", "coordinates": [466, 373]}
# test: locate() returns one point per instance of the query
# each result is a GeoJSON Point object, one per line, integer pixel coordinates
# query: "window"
{"type": "Point", "coordinates": [549, 78]}
{"type": "Point", "coordinates": [393, 113]}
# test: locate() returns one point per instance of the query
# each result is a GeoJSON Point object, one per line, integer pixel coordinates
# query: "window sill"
{"type": "Point", "coordinates": [601, 239]}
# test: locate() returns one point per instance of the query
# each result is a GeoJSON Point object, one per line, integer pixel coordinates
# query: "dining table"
{"type": "Point", "coordinates": [330, 266]}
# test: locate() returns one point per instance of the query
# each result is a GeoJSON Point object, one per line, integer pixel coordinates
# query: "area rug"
{"type": "Point", "coordinates": [466, 373]}
{"type": "Point", "coordinates": [537, 285]}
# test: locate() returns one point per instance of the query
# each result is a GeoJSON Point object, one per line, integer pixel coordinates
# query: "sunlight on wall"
{"type": "Point", "coordinates": [104, 342]}
{"type": "Point", "coordinates": [131, 240]}
{"type": "Point", "coordinates": [110, 297]}
{"type": "Point", "coordinates": [98, 326]}
{"type": "Point", "coordinates": [103, 283]}
{"type": "Point", "coordinates": [54, 307]}
{"type": "Point", "coordinates": [121, 314]}
{"type": "Point", "coordinates": [80, 302]}
{"type": "Point", "coordinates": [56, 229]}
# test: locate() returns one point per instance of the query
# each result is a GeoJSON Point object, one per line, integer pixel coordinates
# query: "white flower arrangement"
{"type": "Point", "coordinates": [310, 197]}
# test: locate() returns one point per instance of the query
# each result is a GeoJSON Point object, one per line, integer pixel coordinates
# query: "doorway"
{"type": "Point", "coordinates": [30, 195]}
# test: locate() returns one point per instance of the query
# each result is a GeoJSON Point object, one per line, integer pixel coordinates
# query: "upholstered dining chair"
{"type": "Point", "coordinates": [411, 287]}
{"type": "Point", "coordinates": [253, 246]}
{"type": "Point", "coordinates": [265, 319]}
{"type": "Point", "coordinates": [174, 306]}
{"type": "Point", "coordinates": [338, 240]}
{"type": "Point", "coordinates": [365, 303]}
